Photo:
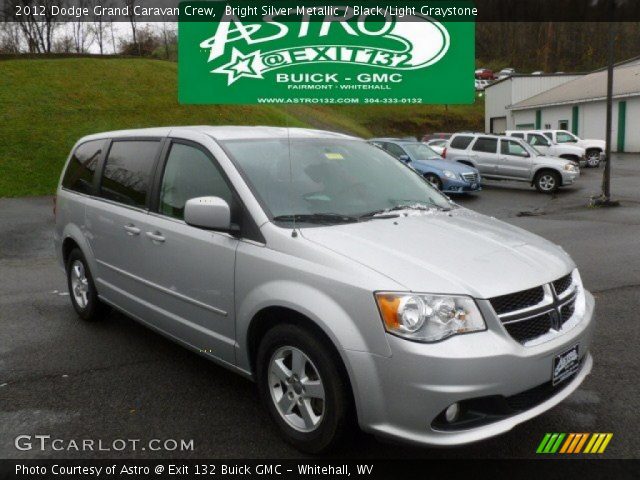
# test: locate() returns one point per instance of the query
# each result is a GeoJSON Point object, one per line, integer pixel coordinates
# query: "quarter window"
{"type": "Point", "coordinates": [461, 142]}
{"type": "Point", "coordinates": [82, 167]}
{"type": "Point", "coordinates": [189, 173]}
{"type": "Point", "coordinates": [486, 144]}
{"type": "Point", "coordinates": [128, 171]}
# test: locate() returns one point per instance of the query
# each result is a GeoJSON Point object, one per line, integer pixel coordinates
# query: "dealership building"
{"type": "Point", "coordinates": [575, 102]}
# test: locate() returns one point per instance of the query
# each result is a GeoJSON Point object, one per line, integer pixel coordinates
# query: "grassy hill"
{"type": "Point", "coordinates": [47, 104]}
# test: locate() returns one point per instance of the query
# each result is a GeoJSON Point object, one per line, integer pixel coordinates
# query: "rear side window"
{"type": "Point", "coordinates": [82, 167]}
{"type": "Point", "coordinates": [486, 144]}
{"type": "Point", "coordinates": [128, 170]}
{"type": "Point", "coordinates": [518, 135]}
{"type": "Point", "coordinates": [461, 142]}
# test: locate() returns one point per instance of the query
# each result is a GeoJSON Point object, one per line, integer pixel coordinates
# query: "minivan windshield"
{"type": "Point", "coordinates": [329, 179]}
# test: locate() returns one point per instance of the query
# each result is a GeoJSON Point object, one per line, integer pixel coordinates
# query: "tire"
{"type": "Point", "coordinates": [547, 181]}
{"type": "Point", "coordinates": [325, 426]}
{"type": "Point", "coordinates": [434, 180]}
{"type": "Point", "coordinates": [593, 158]}
{"type": "Point", "coordinates": [82, 289]}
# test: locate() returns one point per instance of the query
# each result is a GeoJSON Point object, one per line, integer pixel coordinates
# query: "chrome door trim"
{"type": "Point", "coordinates": [180, 296]}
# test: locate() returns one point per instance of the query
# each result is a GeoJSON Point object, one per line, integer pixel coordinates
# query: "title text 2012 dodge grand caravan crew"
{"type": "Point", "coordinates": [333, 275]}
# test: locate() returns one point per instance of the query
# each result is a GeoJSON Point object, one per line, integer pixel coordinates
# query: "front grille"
{"type": "Point", "coordinates": [566, 312]}
{"type": "Point", "coordinates": [529, 314]}
{"type": "Point", "coordinates": [470, 177]}
{"type": "Point", "coordinates": [517, 301]}
{"type": "Point", "coordinates": [562, 284]}
{"type": "Point", "coordinates": [525, 330]}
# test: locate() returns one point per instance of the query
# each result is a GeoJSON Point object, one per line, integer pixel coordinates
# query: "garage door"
{"type": "Point", "coordinates": [498, 124]}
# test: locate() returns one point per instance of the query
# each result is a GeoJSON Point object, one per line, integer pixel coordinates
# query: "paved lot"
{"type": "Point", "coordinates": [116, 379]}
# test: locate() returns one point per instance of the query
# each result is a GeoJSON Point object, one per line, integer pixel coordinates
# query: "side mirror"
{"type": "Point", "coordinates": [404, 158]}
{"type": "Point", "coordinates": [212, 213]}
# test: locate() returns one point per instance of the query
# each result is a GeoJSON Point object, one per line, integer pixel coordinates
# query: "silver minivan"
{"type": "Point", "coordinates": [337, 278]}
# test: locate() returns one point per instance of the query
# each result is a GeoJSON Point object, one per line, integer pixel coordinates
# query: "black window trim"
{"type": "Point", "coordinates": [248, 229]}
{"type": "Point", "coordinates": [103, 161]}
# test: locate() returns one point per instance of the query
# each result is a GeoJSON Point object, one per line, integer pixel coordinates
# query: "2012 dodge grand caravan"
{"type": "Point", "coordinates": [331, 274]}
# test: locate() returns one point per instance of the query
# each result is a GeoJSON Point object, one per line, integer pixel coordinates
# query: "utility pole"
{"type": "Point", "coordinates": [604, 200]}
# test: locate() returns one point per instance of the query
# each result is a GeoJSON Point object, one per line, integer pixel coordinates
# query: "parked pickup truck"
{"type": "Point", "coordinates": [510, 158]}
{"type": "Point", "coordinates": [546, 146]}
{"type": "Point", "coordinates": [594, 148]}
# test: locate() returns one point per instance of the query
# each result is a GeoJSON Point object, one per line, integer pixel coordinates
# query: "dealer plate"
{"type": "Point", "coordinates": [565, 365]}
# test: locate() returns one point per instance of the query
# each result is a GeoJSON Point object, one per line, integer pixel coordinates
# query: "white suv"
{"type": "Point", "coordinates": [544, 145]}
{"type": "Point", "coordinates": [594, 148]}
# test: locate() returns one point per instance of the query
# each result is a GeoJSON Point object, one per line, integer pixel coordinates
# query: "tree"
{"type": "Point", "coordinates": [132, 20]}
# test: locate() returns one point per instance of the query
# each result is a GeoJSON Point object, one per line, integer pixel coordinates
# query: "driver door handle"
{"type": "Point", "coordinates": [155, 236]}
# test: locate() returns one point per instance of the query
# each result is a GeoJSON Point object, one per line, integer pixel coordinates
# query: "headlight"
{"type": "Point", "coordinates": [449, 174]}
{"type": "Point", "coordinates": [428, 318]}
{"type": "Point", "coordinates": [570, 167]}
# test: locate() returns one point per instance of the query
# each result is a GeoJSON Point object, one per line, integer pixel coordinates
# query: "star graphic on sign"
{"type": "Point", "coordinates": [240, 66]}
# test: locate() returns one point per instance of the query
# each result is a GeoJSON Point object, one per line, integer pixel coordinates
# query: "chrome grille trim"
{"type": "Point", "coordinates": [549, 314]}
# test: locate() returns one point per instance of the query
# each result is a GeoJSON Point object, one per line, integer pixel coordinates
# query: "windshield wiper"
{"type": "Point", "coordinates": [390, 211]}
{"type": "Point", "coordinates": [316, 218]}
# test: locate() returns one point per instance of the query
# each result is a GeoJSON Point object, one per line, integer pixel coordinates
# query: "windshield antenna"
{"type": "Point", "coordinates": [294, 233]}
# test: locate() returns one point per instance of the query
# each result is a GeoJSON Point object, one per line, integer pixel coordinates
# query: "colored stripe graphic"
{"type": "Point", "coordinates": [573, 443]}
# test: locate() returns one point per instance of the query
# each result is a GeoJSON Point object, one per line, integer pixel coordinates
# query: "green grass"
{"type": "Point", "coordinates": [47, 104]}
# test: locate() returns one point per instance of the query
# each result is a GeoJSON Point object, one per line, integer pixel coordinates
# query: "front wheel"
{"type": "Point", "coordinates": [593, 158]}
{"type": "Point", "coordinates": [547, 181]}
{"type": "Point", "coordinates": [434, 180]}
{"type": "Point", "coordinates": [303, 388]}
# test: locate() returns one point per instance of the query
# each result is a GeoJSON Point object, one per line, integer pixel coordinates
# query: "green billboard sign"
{"type": "Point", "coordinates": [230, 53]}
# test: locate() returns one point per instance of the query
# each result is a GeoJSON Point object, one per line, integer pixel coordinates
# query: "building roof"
{"type": "Point", "coordinates": [589, 88]}
{"type": "Point", "coordinates": [530, 75]}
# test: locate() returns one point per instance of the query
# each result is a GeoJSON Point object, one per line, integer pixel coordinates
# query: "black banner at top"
{"type": "Point", "coordinates": [486, 10]}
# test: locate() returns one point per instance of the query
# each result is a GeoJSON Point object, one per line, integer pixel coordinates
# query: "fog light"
{"type": "Point", "coordinates": [452, 412]}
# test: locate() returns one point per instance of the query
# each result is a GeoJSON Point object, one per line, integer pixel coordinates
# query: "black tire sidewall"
{"type": "Point", "coordinates": [337, 403]}
{"type": "Point", "coordinates": [92, 310]}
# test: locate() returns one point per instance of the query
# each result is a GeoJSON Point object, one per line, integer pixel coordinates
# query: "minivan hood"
{"type": "Point", "coordinates": [459, 252]}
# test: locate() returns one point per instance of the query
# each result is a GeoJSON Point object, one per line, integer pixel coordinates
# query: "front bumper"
{"type": "Point", "coordinates": [568, 178]}
{"type": "Point", "coordinates": [457, 186]}
{"type": "Point", "coordinates": [401, 396]}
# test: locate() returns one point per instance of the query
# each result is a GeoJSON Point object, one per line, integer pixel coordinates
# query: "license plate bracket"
{"type": "Point", "coordinates": [565, 365]}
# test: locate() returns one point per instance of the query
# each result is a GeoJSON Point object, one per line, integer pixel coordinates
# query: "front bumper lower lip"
{"type": "Point", "coordinates": [461, 437]}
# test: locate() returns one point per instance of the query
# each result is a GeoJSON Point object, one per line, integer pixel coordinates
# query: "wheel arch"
{"type": "Point", "coordinates": [541, 170]}
{"type": "Point", "coordinates": [72, 237]}
{"type": "Point", "coordinates": [273, 315]}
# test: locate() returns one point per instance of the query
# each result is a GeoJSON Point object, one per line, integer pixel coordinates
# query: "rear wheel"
{"type": "Point", "coordinates": [593, 158]}
{"type": "Point", "coordinates": [547, 181]}
{"type": "Point", "coordinates": [303, 388]}
{"type": "Point", "coordinates": [434, 180]}
{"type": "Point", "coordinates": [82, 290]}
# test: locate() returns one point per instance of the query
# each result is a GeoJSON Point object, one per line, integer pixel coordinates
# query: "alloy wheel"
{"type": "Point", "coordinates": [547, 182]}
{"type": "Point", "coordinates": [79, 284]}
{"type": "Point", "coordinates": [296, 389]}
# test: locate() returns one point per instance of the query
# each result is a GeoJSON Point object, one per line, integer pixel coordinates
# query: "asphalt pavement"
{"type": "Point", "coordinates": [116, 379]}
